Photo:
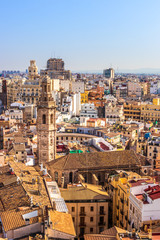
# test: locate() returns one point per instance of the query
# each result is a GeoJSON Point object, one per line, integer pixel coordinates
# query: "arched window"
{"type": "Point", "coordinates": [70, 177]}
{"type": "Point", "coordinates": [51, 118]}
{"type": "Point", "coordinates": [45, 88]}
{"type": "Point", "coordinates": [44, 119]}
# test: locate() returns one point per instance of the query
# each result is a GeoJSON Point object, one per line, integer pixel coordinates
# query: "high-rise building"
{"type": "Point", "coordinates": [108, 73]}
{"type": "Point", "coordinates": [55, 69]}
{"type": "Point", "coordinates": [3, 92]}
{"type": "Point", "coordinates": [46, 123]}
{"type": "Point", "coordinates": [55, 64]}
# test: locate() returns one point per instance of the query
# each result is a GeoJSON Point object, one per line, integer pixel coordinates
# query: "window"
{"type": "Point", "coordinates": [44, 119]}
{"type": "Point", "coordinates": [51, 119]}
{"type": "Point", "coordinates": [92, 209]}
{"type": "Point", "coordinates": [101, 229]}
{"type": "Point", "coordinates": [91, 230]}
{"type": "Point", "coordinates": [82, 231]}
{"type": "Point", "coordinates": [101, 209]}
{"type": "Point", "coordinates": [73, 219]}
{"type": "Point", "coordinates": [82, 209]}
{"type": "Point", "coordinates": [82, 222]}
{"type": "Point", "coordinates": [73, 209]}
{"type": "Point", "coordinates": [91, 219]}
{"type": "Point", "coordinates": [101, 220]}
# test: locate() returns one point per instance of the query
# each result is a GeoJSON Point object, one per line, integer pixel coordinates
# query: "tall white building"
{"type": "Point", "coordinates": [88, 110]}
{"type": "Point", "coordinates": [77, 104]}
{"type": "Point", "coordinates": [78, 87]}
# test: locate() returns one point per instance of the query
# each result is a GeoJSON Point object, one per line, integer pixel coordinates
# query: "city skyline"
{"type": "Point", "coordinates": [87, 35]}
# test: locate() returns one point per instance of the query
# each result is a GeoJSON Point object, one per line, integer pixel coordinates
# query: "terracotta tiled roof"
{"type": "Point", "coordinates": [14, 219]}
{"type": "Point", "coordinates": [36, 191]}
{"type": "Point", "coordinates": [13, 196]}
{"type": "Point", "coordinates": [62, 222]}
{"type": "Point", "coordinates": [98, 237]}
{"type": "Point", "coordinates": [81, 193]}
{"type": "Point", "coordinates": [113, 231]}
{"type": "Point", "coordinates": [110, 159]}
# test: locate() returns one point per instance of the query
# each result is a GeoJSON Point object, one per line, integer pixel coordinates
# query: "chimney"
{"type": "Point", "coordinates": [41, 166]}
{"type": "Point", "coordinates": [31, 201]}
{"type": "Point", "coordinates": [45, 172]}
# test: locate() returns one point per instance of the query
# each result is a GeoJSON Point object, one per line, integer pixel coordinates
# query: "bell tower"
{"type": "Point", "coordinates": [46, 123]}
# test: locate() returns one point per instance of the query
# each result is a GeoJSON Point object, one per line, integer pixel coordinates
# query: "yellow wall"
{"type": "Point", "coordinates": [156, 101]}
{"type": "Point", "coordinates": [84, 97]}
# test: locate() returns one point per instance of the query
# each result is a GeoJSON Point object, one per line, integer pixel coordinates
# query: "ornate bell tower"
{"type": "Point", "coordinates": [46, 123]}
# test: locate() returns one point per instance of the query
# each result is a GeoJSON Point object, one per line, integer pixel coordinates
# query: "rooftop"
{"type": "Point", "coordinates": [96, 160]}
{"type": "Point", "coordinates": [62, 222]}
{"type": "Point", "coordinates": [83, 193]}
{"type": "Point", "coordinates": [32, 182]}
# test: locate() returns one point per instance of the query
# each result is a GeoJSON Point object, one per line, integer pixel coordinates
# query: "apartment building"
{"type": "Point", "coordinates": [142, 111]}
{"type": "Point", "coordinates": [88, 206]}
{"type": "Point", "coordinates": [78, 86]}
{"type": "Point", "coordinates": [84, 97]}
{"type": "Point", "coordinates": [132, 111]}
{"type": "Point", "coordinates": [134, 89]}
{"type": "Point", "coordinates": [153, 149]}
{"type": "Point", "coordinates": [114, 112]}
{"type": "Point", "coordinates": [144, 202]}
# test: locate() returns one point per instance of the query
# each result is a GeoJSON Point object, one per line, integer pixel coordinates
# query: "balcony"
{"type": "Point", "coordinates": [101, 224]}
{"type": "Point", "coordinates": [102, 213]}
{"type": "Point", "coordinates": [155, 151]}
{"type": "Point", "coordinates": [82, 214]}
{"type": "Point", "coordinates": [82, 224]}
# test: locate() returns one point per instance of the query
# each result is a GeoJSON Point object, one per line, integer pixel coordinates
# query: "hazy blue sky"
{"type": "Point", "coordinates": [87, 34]}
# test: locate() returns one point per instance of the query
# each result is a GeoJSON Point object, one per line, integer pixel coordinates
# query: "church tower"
{"type": "Point", "coordinates": [46, 123]}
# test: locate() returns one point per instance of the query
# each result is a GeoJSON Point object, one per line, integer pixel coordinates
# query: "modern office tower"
{"type": "Point", "coordinates": [46, 123]}
{"type": "Point", "coordinates": [108, 73]}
